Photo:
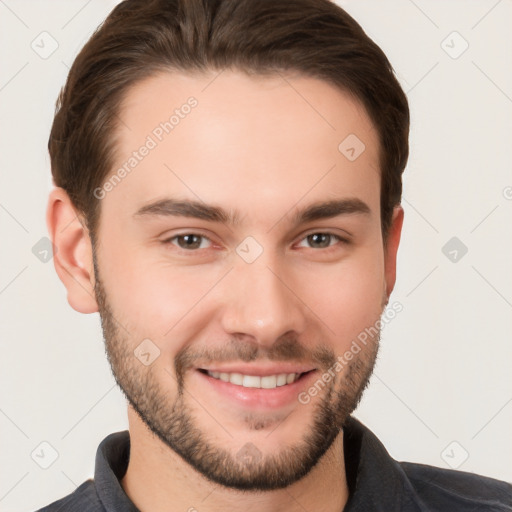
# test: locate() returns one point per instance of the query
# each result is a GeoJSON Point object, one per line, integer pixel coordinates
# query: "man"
{"type": "Point", "coordinates": [228, 174]}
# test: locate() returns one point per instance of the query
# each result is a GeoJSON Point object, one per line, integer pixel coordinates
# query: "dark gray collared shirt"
{"type": "Point", "coordinates": [376, 482]}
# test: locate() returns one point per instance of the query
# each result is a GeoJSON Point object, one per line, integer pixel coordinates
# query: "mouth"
{"type": "Point", "coordinates": [256, 381]}
{"type": "Point", "coordinates": [253, 386]}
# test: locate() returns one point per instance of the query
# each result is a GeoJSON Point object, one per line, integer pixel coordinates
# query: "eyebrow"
{"type": "Point", "coordinates": [189, 208]}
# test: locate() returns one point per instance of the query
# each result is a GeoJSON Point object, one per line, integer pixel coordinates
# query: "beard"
{"type": "Point", "coordinates": [176, 426]}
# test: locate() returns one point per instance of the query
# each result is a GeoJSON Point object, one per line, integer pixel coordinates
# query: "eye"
{"type": "Point", "coordinates": [321, 240]}
{"type": "Point", "coordinates": [194, 241]}
{"type": "Point", "coordinates": [189, 241]}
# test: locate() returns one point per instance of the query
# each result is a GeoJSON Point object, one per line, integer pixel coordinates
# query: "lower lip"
{"type": "Point", "coordinates": [259, 397]}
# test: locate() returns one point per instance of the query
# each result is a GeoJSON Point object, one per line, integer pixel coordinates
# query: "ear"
{"type": "Point", "coordinates": [73, 255]}
{"type": "Point", "coordinates": [391, 249]}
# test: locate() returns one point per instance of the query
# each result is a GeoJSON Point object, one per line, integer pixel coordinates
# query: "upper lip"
{"type": "Point", "coordinates": [258, 370]}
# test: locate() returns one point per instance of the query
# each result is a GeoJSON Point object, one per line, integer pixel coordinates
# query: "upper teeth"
{"type": "Point", "coordinates": [253, 381]}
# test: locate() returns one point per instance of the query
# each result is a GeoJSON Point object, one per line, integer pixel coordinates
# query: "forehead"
{"type": "Point", "coordinates": [225, 136]}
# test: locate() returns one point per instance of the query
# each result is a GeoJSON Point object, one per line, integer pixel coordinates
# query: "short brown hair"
{"type": "Point", "coordinates": [139, 38]}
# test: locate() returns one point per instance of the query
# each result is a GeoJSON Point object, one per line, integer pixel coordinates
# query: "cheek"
{"type": "Point", "coordinates": [157, 300]}
{"type": "Point", "coordinates": [153, 298]}
{"type": "Point", "coordinates": [348, 297]}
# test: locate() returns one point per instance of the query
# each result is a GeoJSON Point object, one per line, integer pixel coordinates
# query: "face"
{"type": "Point", "coordinates": [237, 259]}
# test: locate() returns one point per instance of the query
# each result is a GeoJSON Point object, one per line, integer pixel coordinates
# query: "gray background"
{"type": "Point", "coordinates": [442, 392]}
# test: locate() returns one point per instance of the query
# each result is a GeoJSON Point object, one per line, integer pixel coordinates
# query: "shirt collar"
{"type": "Point", "coordinates": [111, 464]}
{"type": "Point", "coordinates": [376, 481]}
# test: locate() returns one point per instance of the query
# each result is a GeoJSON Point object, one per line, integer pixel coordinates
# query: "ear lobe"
{"type": "Point", "coordinates": [73, 256]}
{"type": "Point", "coordinates": [391, 248]}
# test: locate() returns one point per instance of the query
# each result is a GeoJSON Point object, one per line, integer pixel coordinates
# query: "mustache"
{"type": "Point", "coordinates": [287, 349]}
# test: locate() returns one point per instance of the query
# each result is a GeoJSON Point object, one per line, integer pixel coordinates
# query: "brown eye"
{"type": "Point", "coordinates": [189, 241]}
{"type": "Point", "coordinates": [321, 240]}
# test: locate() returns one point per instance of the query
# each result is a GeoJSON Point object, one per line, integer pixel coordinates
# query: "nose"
{"type": "Point", "coordinates": [261, 303]}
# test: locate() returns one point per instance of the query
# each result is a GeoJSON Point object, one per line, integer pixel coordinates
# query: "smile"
{"type": "Point", "coordinates": [254, 381]}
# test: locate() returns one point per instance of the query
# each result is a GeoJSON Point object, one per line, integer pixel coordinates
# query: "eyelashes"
{"type": "Point", "coordinates": [190, 241]}
{"type": "Point", "coordinates": [195, 242]}
{"type": "Point", "coordinates": [324, 236]}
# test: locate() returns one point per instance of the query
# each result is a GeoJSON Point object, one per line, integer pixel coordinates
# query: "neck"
{"type": "Point", "coordinates": [157, 476]}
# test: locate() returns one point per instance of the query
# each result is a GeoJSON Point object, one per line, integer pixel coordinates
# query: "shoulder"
{"type": "Point", "coordinates": [457, 490]}
{"type": "Point", "coordinates": [83, 499]}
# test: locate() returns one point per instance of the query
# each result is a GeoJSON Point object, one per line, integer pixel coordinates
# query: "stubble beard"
{"type": "Point", "coordinates": [175, 425]}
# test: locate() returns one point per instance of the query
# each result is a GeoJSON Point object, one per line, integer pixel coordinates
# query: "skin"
{"type": "Point", "coordinates": [258, 146]}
